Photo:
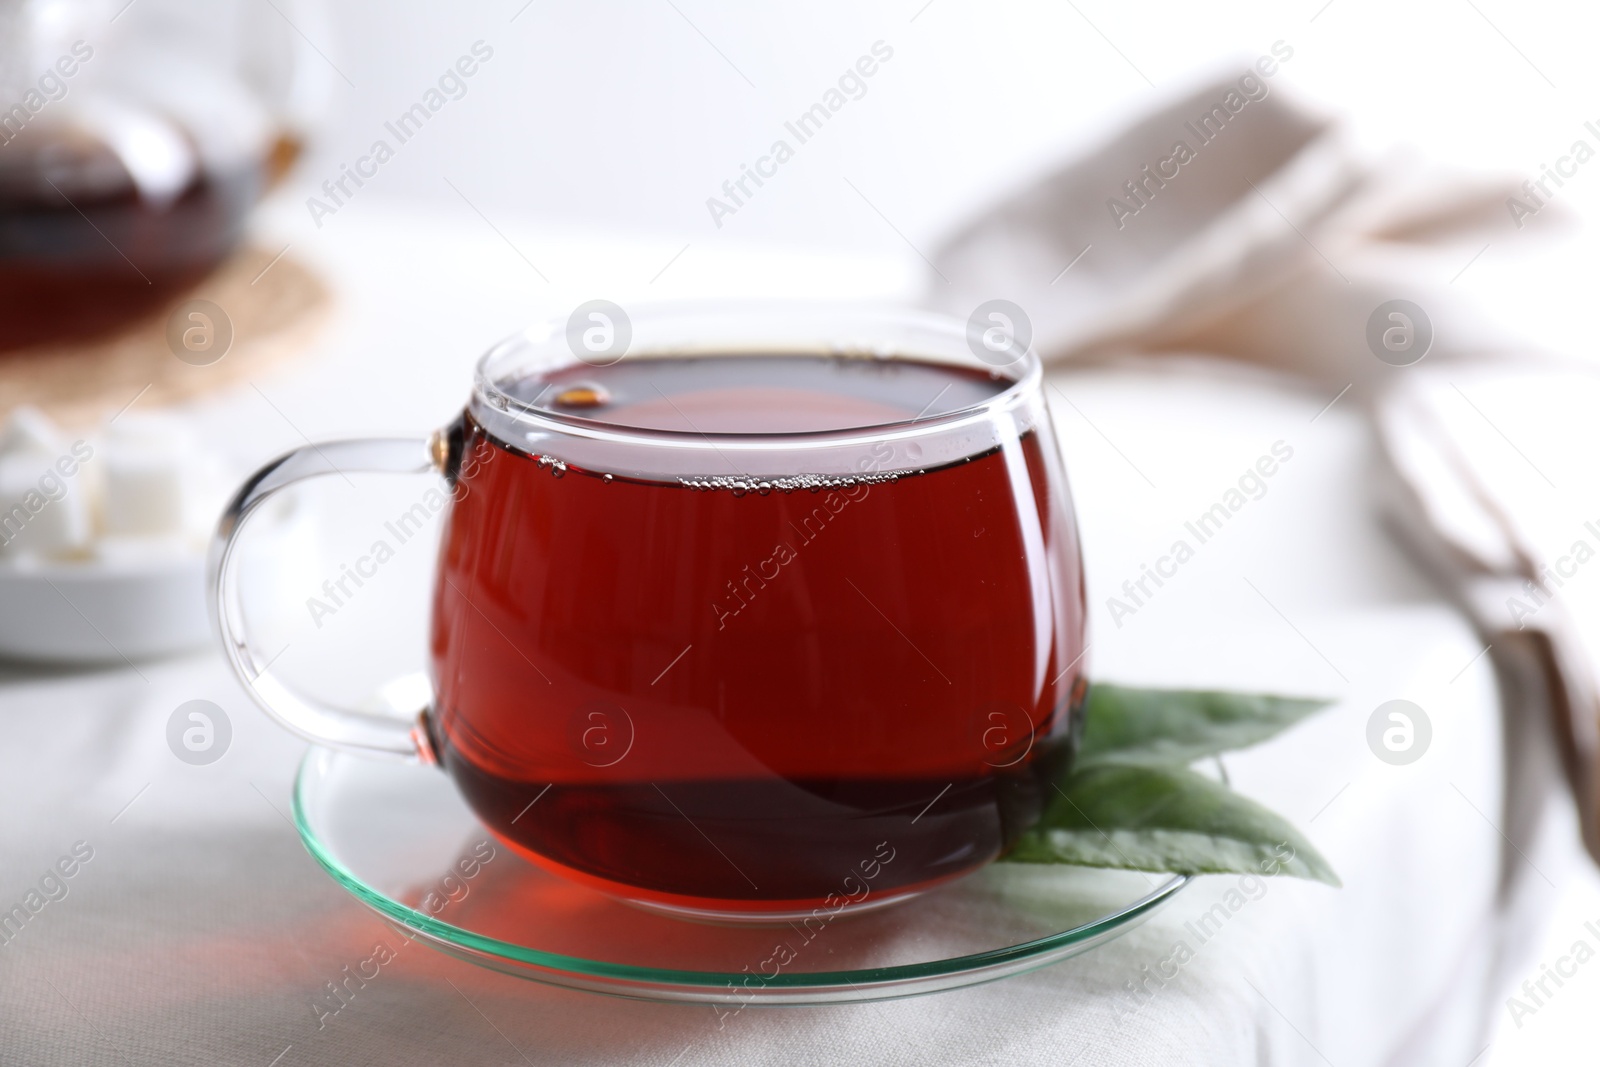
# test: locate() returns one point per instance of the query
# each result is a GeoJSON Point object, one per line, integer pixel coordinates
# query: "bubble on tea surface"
{"type": "Point", "coordinates": [739, 485]}
{"type": "Point", "coordinates": [583, 395]}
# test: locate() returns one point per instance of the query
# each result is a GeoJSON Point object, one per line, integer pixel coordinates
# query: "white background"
{"type": "Point", "coordinates": [628, 115]}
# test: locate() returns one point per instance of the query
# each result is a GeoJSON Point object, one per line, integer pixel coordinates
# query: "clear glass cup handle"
{"type": "Point", "coordinates": [369, 733]}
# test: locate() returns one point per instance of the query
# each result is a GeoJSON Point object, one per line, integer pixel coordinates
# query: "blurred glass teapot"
{"type": "Point", "coordinates": [135, 137]}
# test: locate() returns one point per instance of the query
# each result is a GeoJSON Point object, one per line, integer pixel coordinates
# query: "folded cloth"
{"type": "Point", "coordinates": [1238, 223]}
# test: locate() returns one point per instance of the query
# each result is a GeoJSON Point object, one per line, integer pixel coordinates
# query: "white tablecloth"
{"type": "Point", "coordinates": [200, 932]}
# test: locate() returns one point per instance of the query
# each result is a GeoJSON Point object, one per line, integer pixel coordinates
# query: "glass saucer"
{"type": "Point", "coordinates": [406, 845]}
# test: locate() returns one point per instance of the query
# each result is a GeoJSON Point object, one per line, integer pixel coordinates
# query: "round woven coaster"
{"type": "Point", "coordinates": [256, 311]}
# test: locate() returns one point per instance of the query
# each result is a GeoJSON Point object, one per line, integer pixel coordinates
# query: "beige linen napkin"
{"type": "Point", "coordinates": [1237, 223]}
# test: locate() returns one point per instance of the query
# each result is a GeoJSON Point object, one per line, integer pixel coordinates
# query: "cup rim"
{"type": "Point", "coordinates": [952, 331]}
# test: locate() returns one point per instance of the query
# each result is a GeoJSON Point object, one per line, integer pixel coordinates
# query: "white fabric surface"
{"type": "Point", "coordinates": [1268, 237]}
{"type": "Point", "coordinates": [200, 932]}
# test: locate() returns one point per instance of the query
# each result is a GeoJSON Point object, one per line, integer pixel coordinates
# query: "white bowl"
{"type": "Point", "coordinates": [102, 612]}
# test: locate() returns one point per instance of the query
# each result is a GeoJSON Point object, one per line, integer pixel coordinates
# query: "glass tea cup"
{"type": "Point", "coordinates": [740, 611]}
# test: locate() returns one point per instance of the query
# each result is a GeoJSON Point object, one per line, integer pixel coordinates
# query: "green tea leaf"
{"type": "Point", "coordinates": [1179, 726]}
{"type": "Point", "coordinates": [1166, 819]}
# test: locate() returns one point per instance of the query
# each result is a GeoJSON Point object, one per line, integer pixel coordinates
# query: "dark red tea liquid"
{"type": "Point", "coordinates": [758, 698]}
